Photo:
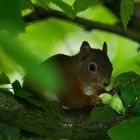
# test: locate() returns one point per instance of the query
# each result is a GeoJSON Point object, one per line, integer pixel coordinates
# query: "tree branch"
{"type": "Point", "coordinates": [41, 14]}
{"type": "Point", "coordinates": [61, 124]}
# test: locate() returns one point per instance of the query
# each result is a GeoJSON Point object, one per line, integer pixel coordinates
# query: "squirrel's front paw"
{"type": "Point", "coordinates": [95, 101]}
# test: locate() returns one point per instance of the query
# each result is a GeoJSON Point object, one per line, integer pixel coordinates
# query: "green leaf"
{"type": "Point", "coordinates": [4, 79]}
{"type": "Point", "coordinates": [130, 92]}
{"type": "Point", "coordinates": [125, 78]}
{"type": "Point", "coordinates": [136, 85]}
{"type": "Point", "coordinates": [129, 86]}
{"type": "Point", "coordinates": [8, 132]}
{"type": "Point", "coordinates": [67, 9]}
{"type": "Point", "coordinates": [10, 16]}
{"type": "Point", "coordinates": [136, 109]}
{"type": "Point", "coordinates": [81, 5]}
{"type": "Point", "coordinates": [101, 114]}
{"type": "Point", "coordinates": [127, 94]}
{"type": "Point", "coordinates": [26, 4]}
{"type": "Point", "coordinates": [128, 130]}
{"type": "Point", "coordinates": [136, 102]}
{"type": "Point", "coordinates": [127, 10]}
{"type": "Point", "coordinates": [43, 3]}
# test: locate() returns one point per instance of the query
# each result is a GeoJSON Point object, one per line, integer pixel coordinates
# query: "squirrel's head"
{"type": "Point", "coordinates": [94, 67]}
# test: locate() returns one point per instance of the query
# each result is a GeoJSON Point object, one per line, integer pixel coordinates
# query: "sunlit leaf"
{"type": "Point", "coordinates": [128, 130]}
{"type": "Point", "coordinates": [81, 5]}
{"type": "Point", "coordinates": [105, 98]}
{"type": "Point", "coordinates": [43, 3]}
{"type": "Point", "coordinates": [65, 7]}
{"type": "Point", "coordinates": [127, 10]}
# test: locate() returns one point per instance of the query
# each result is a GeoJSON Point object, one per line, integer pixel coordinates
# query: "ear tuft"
{"type": "Point", "coordinates": [104, 49]}
{"type": "Point", "coordinates": [85, 47]}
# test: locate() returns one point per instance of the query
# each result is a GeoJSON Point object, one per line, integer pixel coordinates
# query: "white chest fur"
{"type": "Point", "coordinates": [88, 90]}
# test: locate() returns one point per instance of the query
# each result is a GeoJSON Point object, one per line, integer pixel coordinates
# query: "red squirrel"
{"type": "Point", "coordinates": [86, 73]}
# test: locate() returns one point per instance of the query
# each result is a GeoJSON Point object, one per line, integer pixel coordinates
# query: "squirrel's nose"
{"type": "Point", "coordinates": [105, 83]}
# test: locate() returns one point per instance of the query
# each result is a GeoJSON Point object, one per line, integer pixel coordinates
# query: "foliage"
{"type": "Point", "coordinates": [28, 44]}
{"type": "Point", "coordinates": [129, 91]}
{"type": "Point", "coordinates": [80, 5]}
{"type": "Point", "coordinates": [128, 84]}
{"type": "Point", "coordinates": [127, 10]}
{"type": "Point", "coordinates": [101, 114]}
{"type": "Point", "coordinates": [18, 91]}
{"type": "Point", "coordinates": [8, 132]}
{"type": "Point", "coordinates": [67, 9]}
{"type": "Point", "coordinates": [127, 130]}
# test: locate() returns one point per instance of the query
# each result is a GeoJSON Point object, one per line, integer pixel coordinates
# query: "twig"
{"type": "Point", "coordinates": [41, 14]}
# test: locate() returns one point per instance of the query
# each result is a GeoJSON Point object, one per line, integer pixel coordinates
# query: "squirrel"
{"type": "Point", "coordinates": [86, 73]}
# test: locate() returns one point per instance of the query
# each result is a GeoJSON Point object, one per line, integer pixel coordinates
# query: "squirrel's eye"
{"type": "Point", "coordinates": [92, 67]}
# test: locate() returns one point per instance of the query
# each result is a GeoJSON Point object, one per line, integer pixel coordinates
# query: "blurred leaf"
{"type": "Point", "coordinates": [10, 16]}
{"type": "Point", "coordinates": [67, 9]}
{"type": "Point", "coordinates": [4, 79]}
{"type": "Point", "coordinates": [8, 132]}
{"type": "Point", "coordinates": [43, 44]}
{"type": "Point", "coordinates": [43, 3]}
{"type": "Point", "coordinates": [18, 91]}
{"type": "Point", "coordinates": [127, 10]}
{"type": "Point", "coordinates": [26, 4]}
{"type": "Point", "coordinates": [49, 76]}
{"type": "Point", "coordinates": [128, 130]}
{"type": "Point", "coordinates": [100, 114]}
{"type": "Point", "coordinates": [81, 5]}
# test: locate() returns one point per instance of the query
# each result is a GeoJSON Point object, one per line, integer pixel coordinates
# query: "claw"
{"type": "Point", "coordinates": [94, 100]}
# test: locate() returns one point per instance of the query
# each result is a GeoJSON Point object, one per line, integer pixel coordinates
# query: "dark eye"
{"type": "Point", "coordinates": [92, 67]}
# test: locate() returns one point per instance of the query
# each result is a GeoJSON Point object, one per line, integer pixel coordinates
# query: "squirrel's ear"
{"type": "Point", "coordinates": [104, 49]}
{"type": "Point", "coordinates": [85, 48]}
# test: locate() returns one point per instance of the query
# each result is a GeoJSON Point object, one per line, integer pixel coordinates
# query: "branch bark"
{"type": "Point", "coordinates": [41, 14]}
{"type": "Point", "coordinates": [70, 124]}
